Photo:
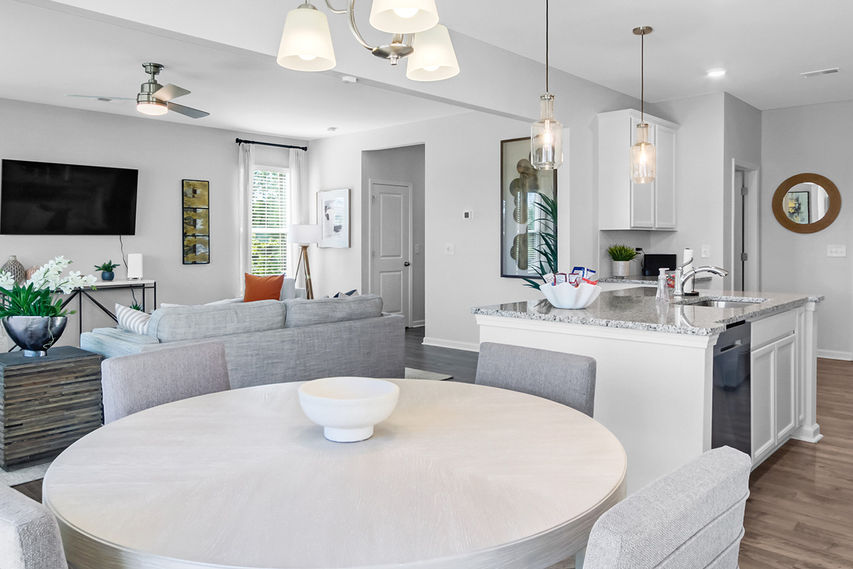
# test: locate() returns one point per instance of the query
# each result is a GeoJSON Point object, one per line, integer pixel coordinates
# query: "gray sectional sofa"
{"type": "Point", "coordinates": [273, 341]}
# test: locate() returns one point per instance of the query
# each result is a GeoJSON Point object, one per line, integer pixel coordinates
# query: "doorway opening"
{"type": "Point", "coordinates": [745, 229]}
{"type": "Point", "coordinates": [393, 264]}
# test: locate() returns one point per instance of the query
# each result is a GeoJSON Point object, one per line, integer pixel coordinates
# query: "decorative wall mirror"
{"type": "Point", "coordinates": [806, 203]}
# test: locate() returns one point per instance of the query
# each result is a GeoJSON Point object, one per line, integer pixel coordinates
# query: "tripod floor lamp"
{"type": "Point", "coordinates": [305, 235]}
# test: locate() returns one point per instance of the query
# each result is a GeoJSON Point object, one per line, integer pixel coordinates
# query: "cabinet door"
{"type": "Point", "coordinates": [665, 178]}
{"type": "Point", "coordinates": [785, 388]}
{"type": "Point", "coordinates": [762, 408]}
{"type": "Point", "coordinates": [642, 195]}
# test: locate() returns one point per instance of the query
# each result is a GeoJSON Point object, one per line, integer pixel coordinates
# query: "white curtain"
{"type": "Point", "coordinates": [300, 206]}
{"type": "Point", "coordinates": [244, 208]}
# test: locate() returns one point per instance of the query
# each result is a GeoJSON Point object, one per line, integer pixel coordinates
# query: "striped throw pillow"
{"type": "Point", "coordinates": [132, 320]}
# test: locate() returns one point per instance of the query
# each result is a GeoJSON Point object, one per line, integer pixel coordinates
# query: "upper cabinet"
{"type": "Point", "coordinates": [622, 204]}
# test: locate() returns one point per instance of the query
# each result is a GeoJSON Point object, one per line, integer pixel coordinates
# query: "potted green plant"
{"type": "Point", "coordinates": [32, 315]}
{"type": "Point", "coordinates": [107, 269]}
{"type": "Point", "coordinates": [621, 255]}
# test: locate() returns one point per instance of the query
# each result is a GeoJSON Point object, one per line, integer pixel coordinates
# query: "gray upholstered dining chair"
{"type": "Point", "coordinates": [565, 378]}
{"type": "Point", "coordinates": [690, 518]}
{"type": "Point", "coordinates": [29, 534]}
{"type": "Point", "coordinates": [139, 381]}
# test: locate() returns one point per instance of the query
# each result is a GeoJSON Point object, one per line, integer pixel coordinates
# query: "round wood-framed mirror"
{"type": "Point", "coordinates": [806, 203]}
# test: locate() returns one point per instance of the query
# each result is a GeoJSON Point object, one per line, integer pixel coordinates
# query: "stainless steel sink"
{"type": "Point", "coordinates": [725, 303]}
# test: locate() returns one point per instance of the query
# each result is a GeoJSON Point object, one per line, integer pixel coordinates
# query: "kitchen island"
{"type": "Point", "coordinates": [655, 366]}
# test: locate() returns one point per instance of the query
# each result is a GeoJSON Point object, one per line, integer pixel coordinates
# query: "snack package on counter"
{"type": "Point", "coordinates": [575, 278]}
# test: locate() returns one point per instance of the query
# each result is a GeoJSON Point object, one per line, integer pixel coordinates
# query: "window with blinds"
{"type": "Point", "coordinates": [270, 218]}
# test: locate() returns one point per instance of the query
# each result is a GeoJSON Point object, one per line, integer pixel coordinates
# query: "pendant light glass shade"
{"type": "Point", "coordinates": [403, 16]}
{"type": "Point", "coordinates": [433, 58]}
{"type": "Point", "coordinates": [152, 108]}
{"type": "Point", "coordinates": [306, 43]}
{"type": "Point", "coordinates": [546, 137]}
{"type": "Point", "coordinates": [643, 157]}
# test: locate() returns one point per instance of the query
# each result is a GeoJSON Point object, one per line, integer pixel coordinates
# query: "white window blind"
{"type": "Point", "coordinates": [270, 218]}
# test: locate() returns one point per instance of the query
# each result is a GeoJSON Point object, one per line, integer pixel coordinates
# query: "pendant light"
{"type": "Point", "coordinates": [546, 134]}
{"type": "Point", "coordinates": [643, 158]}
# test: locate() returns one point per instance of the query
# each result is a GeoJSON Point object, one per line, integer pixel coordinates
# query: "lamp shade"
{"type": "Point", "coordinates": [403, 16]}
{"type": "Point", "coordinates": [304, 234]}
{"type": "Point", "coordinates": [433, 58]}
{"type": "Point", "coordinates": [306, 43]}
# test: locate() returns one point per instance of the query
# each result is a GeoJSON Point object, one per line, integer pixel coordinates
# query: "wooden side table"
{"type": "Point", "coordinates": [47, 403]}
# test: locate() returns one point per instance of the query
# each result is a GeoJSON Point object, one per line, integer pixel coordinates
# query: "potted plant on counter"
{"type": "Point", "coordinates": [621, 255]}
{"type": "Point", "coordinates": [31, 314]}
{"type": "Point", "coordinates": [107, 270]}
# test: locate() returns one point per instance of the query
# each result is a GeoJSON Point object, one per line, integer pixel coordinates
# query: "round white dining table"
{"type": "Point", "coordinates": [459, 476]}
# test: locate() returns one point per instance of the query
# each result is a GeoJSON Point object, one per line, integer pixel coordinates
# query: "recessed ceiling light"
{"type": "Point", "coordinates": [818, 72]}
{"type": "Point", "coordinates": [716, 73]}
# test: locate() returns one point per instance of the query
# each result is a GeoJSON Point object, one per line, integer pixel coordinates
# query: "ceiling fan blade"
{"type": "Point", "coordinates": [170, 92]}
{"type": "Point", "coordinates": [104, 98]}
{"type": "Point", "coordinates": [187, 111]}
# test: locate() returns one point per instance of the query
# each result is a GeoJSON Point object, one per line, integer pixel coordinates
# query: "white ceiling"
{"type": "Point", "coordinates": [46, 55]}
{"type": "Point", "coordinates": [222, 52]}
{"type": "Point", "coordinates": [763, 44]}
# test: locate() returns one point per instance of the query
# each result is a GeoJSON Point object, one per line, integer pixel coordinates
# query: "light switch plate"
{"type": "Point", "coordinates": [836, 250]}
{"type": "Point", "coordinates": [706, 251]}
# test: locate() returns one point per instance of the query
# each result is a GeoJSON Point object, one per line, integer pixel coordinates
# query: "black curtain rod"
{"type": "Point", "coordinates": [240, 140]}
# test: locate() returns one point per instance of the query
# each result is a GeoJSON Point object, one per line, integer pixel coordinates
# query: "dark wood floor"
{"type": "Point", "coordinates": [800, 511]}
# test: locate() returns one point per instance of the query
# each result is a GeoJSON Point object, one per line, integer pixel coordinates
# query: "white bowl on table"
{"type": "Point", "coordinates": [565, 295]}
{"type": "Point", "coordinates": [348, 407]}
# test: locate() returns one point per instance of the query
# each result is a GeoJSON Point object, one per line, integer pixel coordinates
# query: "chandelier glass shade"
{"type": "Point", "coordinates": [403, 16]}
{"type": "Point", "coordinates": [433, 58]}
{"type": "Point", "coordinates": [306, 42]}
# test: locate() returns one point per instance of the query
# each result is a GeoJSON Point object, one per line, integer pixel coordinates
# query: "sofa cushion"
{"type": "Point", "coordinates": [324, 310]}
{"type": "Point", "coordinates": [131, 319]}
{"type": "Point", "coordinates": [197, 322]}
{"type": "Point", "coordinates": [262, 287]}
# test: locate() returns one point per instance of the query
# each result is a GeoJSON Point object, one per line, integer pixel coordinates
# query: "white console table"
{"type": "Point", "coordinates": [137, 284]}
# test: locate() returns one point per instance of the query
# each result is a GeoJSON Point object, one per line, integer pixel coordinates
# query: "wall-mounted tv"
{"type": "Point", "coordinates": [40, 198]}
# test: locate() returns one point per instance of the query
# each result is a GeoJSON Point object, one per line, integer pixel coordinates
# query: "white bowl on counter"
{"type": "Point", "coordinates": [348, 407]}
{"type": "Point", "coordinates": [567, 296]}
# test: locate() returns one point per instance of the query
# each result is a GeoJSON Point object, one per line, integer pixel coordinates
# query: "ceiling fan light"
{"type": "Point", "coordinates": [433, 58]}
{"type": "Point", "coordinates": [403, 16]}
{"type": "Point", "coordinates": [152, 108]}
{"type": "Point", "coordinates": [306, 43]}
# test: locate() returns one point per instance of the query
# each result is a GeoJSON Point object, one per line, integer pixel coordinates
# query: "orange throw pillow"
{"type": "Point", "coordinates": [262, 288]}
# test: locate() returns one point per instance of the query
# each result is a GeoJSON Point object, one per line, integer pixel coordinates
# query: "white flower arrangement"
{"type": "Point", "coordinates": [34, 298]}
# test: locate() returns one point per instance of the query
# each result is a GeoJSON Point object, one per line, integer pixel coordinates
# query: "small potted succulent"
{"type": "Point", "coordinates": [621, 255]}
{"type": "Point", "coordinates": [107, 269]}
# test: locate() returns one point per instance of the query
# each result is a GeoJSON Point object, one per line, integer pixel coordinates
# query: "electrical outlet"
{"type": "Point", "coordinates": [706, 251]}
{"type": "Point", "coordinates": [836, 250]}
{"type": "Point", "coordinates": [467, 215]}
{"type": "Point", "coordinates": [449, 249]}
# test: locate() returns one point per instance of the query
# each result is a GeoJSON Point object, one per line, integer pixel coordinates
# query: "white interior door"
{"type": "Point", "coordinates": [390, 245]}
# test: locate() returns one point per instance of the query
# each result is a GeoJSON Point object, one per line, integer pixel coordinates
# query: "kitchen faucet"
{"type": "Point", "coordinates": [681, 276]}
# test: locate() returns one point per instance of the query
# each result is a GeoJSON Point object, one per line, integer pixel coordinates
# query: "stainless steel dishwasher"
{"type": "Point", "coordinates": [731, 423]}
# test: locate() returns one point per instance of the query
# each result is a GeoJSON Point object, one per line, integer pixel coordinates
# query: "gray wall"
{"type": "Point", "coordinates": [813, 138]}
{"type": "Point", "coordinates": [406, 165]}
{"type": "Point", "coordinates": [164, 153]}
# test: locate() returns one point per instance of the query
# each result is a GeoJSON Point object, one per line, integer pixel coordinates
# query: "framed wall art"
{"type": "Point", "coordinates": [195, 196]}
{"type": "Point", "coordinates": [333, 215]}
{"type": "Point", "coordinates": [527, 195]}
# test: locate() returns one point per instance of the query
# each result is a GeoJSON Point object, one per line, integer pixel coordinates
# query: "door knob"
{"type": "Point", "coordinates": [406, 263]}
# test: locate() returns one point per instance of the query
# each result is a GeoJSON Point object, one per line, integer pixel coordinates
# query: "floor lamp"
{"type": "Point", "coordinates": [305, 235]}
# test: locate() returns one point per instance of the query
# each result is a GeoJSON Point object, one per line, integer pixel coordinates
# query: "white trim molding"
{"type": "Point", "coordinates": [835, 355]}
{"type": "Point", "coordinates": [452, 344]}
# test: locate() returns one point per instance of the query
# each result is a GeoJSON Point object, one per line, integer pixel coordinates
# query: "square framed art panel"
{"type": "Point", "coordinates": [525, 228]}
{"type": "Point", "coordinates": [195, 203]}
{"type": "Point", "coordinates": [333, 215]}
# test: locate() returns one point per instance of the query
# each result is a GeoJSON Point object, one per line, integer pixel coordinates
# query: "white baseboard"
{"type": "Point", "coordinates": [452, 344]}
{"type": "Point", "coordinates": [835, 355]}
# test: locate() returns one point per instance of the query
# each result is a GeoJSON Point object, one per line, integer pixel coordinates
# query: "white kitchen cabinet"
{"type": "Point", "coordinates": [622, 204]}
{"type": "Point", "coordinates": [775, 364]}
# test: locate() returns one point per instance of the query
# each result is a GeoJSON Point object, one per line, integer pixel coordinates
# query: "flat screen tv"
{"type": "Point", "coordinates": [39, 198]}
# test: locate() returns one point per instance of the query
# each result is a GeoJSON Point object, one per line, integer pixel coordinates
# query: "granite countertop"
{"type": "Point", "coordinates": [637, 309]}
{"type": "Point", "coordinates": [645, 280]}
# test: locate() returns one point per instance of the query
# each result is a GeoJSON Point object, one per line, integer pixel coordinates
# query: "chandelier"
{"type": "Point", "coordinates": [416, 35]}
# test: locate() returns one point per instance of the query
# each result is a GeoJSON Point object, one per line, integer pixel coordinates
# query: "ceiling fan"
{"type": "Point", "coordinates": [154, 98]}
